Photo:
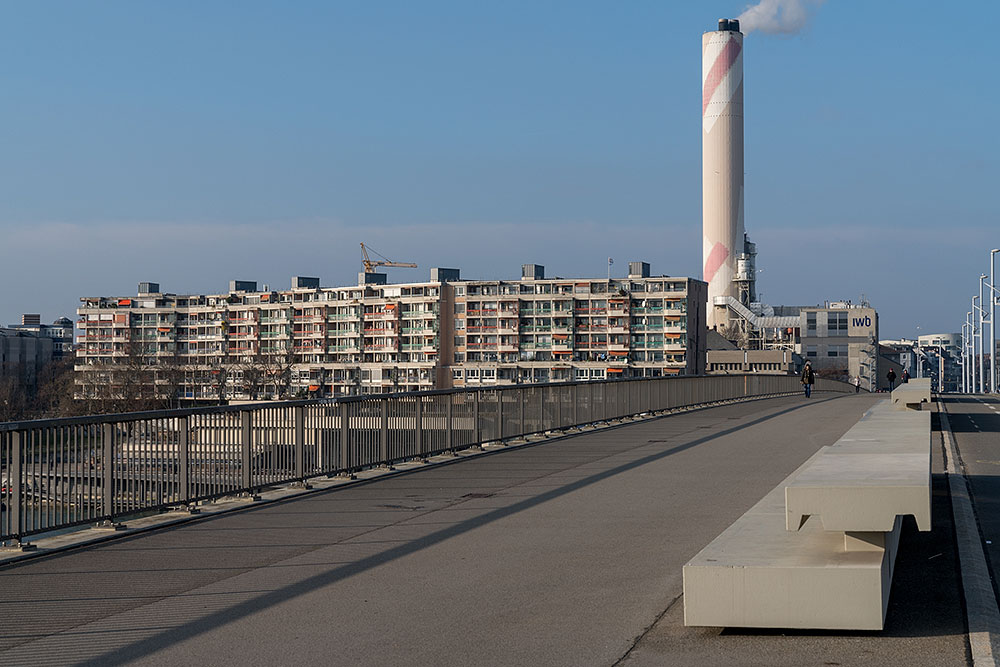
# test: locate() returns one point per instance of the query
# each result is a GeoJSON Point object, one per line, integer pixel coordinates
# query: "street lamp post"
{"type": "Point", "coordinates": [967, 346]}
{"type": "Point", "coordinates": [975, 347]}
{"type": "Point", "coordinates": [993, 318]}
{"type": "Point", "coordinates": [962, 358]}
{"type": "Point", "coordinates": [982, 341]}
{"type": "Point", "coordinates": [965, 353]}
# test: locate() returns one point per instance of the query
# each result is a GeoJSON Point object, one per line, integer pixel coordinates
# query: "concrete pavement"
{"type": "Point", "coordinates": [565, 553]}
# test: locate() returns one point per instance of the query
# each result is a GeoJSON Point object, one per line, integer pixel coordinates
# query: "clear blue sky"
{"type": "Point", "coordinates": [189, 143]}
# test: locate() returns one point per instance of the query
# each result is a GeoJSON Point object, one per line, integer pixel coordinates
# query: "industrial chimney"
{"type": "Point", "coordinates": [722, 162]}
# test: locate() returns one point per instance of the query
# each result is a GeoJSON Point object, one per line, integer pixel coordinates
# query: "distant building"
{"type": "Point", "coordinates": [60, 331]}
{"type": "Point", "coordinates": [22, 356]}
{"type": "Point", "coordinates": [940, 359]}
{"type": "Point", "coordinates": [541, 329]}
{"type": "Point", "coordinates": [723, 357]}
{"type": "Point", "coordinates": [902, 352]}
{"type": "Point", "coordinates": [377, 337]}
{"type": "Point", "coordinates": [839, 338]}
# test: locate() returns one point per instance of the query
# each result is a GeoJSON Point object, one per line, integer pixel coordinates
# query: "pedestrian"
{"type": "Point", "coordinates": [857, 384]}
{"type": "Point", "coordinates": [891, 377]}
{"type": "Point", "coordinates": [905, 376]}
{"type": "Point", "coordinates": [808, 378]}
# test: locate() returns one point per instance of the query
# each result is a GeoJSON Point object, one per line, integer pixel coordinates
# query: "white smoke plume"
{"type": "Point", "coordinates": [777, 16]}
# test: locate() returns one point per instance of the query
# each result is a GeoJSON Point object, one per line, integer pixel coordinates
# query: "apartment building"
{"type": "Point", "coordinates": [375, 337]}
{"type": "Point", "coordinates": [555, 330]}
{"type": "Point", "coordinates": [254, 344]}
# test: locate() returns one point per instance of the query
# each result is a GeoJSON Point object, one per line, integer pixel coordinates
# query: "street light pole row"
{"type": "Point", "coordinates": [973, 382]}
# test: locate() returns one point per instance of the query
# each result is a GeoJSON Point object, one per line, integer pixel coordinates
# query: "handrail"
{"type": "Point", "coordinates": [56, 473]}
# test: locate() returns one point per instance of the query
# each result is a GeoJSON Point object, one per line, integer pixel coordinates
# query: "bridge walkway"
{"type": "Point", "coordinates": [568, 552]}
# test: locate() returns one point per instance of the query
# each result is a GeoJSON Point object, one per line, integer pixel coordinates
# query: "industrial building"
{"type": "Point", "coordinates": [840, 338]}
{"type": "Point", "coordinates": [377, 337]}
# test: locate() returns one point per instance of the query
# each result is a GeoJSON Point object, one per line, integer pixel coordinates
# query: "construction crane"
{"type": "Point", "coordinates": [385, 261]}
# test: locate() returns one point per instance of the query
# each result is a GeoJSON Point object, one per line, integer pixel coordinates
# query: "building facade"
{"type": "Point", "coordinates": [940, 359]}
{"type": "Point", "coordinates": [60, 331]}
{"type": "Point", "coordinates": [841, 341]}
{"type": "Point", "coordinates": [375, 337]}
{"type": "Point", "coordinates": [556, 330]}
{"type": "Point", "coordinates": [22, 356]}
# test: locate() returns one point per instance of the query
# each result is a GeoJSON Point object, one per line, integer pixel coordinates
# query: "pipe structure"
{"type": "Point", "coordinates": [722, 161]}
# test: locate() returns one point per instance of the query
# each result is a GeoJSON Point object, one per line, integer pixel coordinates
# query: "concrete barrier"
{"type": "Point", "coordinates": [818, 551]}
{"type": "Point", "coordinates": [911, 395]}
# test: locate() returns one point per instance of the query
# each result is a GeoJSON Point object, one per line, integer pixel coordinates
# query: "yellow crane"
{"type": "Point", "coordinates": [385, 261]}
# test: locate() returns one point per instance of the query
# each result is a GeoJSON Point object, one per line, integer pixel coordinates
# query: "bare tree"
{"type": "Point", "coordinates": [56, 388]}
{"type": "Point", "coordinates": [13, 399]}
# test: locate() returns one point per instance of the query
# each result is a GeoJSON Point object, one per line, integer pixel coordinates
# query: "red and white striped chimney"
{"type": "Point", "coordinates": [722, 160]}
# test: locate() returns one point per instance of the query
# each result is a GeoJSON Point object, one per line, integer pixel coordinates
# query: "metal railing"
{"type": "Point", "coordinates": [60, 473]}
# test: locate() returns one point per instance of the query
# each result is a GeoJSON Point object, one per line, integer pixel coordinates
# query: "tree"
{"type": "Point", "coordinates": [13, 399]}
{"type": "Point", "coordinates": [56, 388]}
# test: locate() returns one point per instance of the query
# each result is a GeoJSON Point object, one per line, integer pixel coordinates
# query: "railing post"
{"type": "Point", "coordinates": [246, 445]}
{"type": "Point", "coordinates": [521, 391]}
{"type": "Point", "coordinates": [475, 418]}
{"type": "Point", "coordinates": [500, 393]}
{"type": "Point", "coordinates": [591, 417]}
{"type": "Point", "coordinates": [449, 410]}
{"type": "Point", "coordinates": [345, 436]}
{"type": "Point", "coordinates": [560, 393]}
{"type": "Point", "coordinates": [383, 438]}
{"type": "Point", "coordinates": [299, 414]}
{"type": "Point", "coordinates": [183, 461]}
{"type": "Point", "coordinates": [576, 404]}
{"type": "Point", "coordinates": [15, 504]}
{"type": "Point", "coordinates": [419, 425]}
{"type": "Point", "coordinates": [541, 409]}
{"type": "Point", "coordinates": [107, 470]}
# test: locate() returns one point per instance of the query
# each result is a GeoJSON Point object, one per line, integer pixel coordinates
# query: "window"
{"type": "Point", "coordinates": [811, 324]}
{"type": "Point", "coordinates": [837, 324]}
{"type": "Point", "coordinates": [810, 350]}
{"type": "Point", "coordinates": [836, 351]}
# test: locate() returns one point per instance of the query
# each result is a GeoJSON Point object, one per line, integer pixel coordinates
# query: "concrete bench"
{"type": "Point", "coordinates": [818, 551]}
{"type": "Point", "coordinates": [911, 395]}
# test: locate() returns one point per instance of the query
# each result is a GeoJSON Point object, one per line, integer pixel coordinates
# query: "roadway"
{"type": "Point", "coordinates": [975, 424]}
{"type": "Point", "coordinates": [568, 552]}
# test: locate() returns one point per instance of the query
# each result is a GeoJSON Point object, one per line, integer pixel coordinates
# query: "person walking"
{"type": "Point", "coordinates": [905, 377]}
{"type": "Point", "coordinates": [891, 377]}
{"type": "Point", "coordinates": [857, 384]}
{"type": "Point", "coordinates": [808, 378]}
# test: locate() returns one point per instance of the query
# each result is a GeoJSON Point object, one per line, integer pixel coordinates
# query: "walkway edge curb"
{"type": "Point", "coordinates": [981, 610]}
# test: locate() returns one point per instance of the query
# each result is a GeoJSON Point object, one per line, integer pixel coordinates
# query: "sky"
{"type": "Point", "coordinates": [190, 143]}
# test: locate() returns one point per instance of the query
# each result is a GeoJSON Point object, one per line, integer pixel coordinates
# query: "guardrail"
{"type": "Point", "coordinates": [64, 472]}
